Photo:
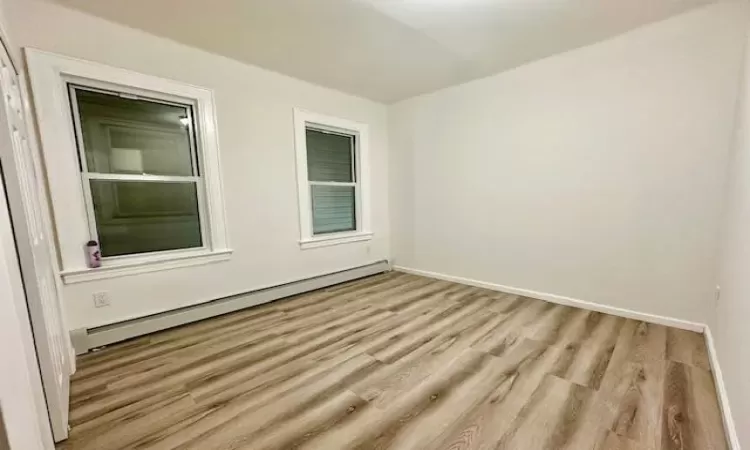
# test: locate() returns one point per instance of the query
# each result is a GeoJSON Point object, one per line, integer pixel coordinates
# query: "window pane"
{"type": "Point", "coordinates": [329, 156]}
{"type": "Point", "coordinates": [333, 209]}
{"type": "Point", "coordinates": [140, 217]}
{"type": "Point", "coordinates": [122, 135]}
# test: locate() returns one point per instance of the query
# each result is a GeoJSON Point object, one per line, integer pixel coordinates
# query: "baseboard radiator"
{"type": "Point", "coordinates": [87, 339]}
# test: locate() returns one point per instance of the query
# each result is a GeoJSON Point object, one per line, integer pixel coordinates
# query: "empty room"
{"type": "Point", "coordinates": [375, 224]}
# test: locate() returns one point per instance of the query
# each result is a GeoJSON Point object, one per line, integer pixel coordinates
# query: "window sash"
{"type": "Point", "coordinates": [355, 218]}
{"type": "Point", "coordinates": [72, 87]}
{"type": "Point", "coordinates": [352, 149]}
{"type": "Point", "coordinates": [87, 176]}
{"type": "Point", "coordinates": [91, 213]}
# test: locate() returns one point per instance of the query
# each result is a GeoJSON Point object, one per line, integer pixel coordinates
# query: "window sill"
{"type": "Point", "coordinates": [334, 239]}
{"type": "Point", "coordinates": [146, 265]}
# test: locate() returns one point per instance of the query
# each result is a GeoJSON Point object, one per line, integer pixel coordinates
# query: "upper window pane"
{"type": "Point", "coordinates": [129, 136]}
{"type": "Point", "coordinates": [329, 157]}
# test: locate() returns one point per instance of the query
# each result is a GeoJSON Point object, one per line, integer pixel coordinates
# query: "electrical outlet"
{"type": "Point", "coordinates": [101, 299]}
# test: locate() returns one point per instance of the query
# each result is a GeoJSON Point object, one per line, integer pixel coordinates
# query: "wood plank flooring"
{"type": "Point", "coordinates": [404, 362]}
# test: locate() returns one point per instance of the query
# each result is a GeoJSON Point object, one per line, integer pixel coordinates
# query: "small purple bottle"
{"type": "Point", "coordinates": [94, 254]}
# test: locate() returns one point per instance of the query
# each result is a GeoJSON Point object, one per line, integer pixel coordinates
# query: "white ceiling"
{"type": "Point", "coordinates": [386, 50]}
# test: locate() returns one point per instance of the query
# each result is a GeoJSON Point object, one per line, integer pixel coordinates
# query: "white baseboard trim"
{"type": "Point", "coordinates": [562, 300]}
{"type": "Point", "coordinates": [721, 391]}
{"type": "Point", "coordinates": [86, 339]}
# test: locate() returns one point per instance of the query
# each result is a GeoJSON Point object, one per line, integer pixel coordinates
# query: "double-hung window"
{"type": "Point", "coordinates": [332, 170]}
{"type": "Point", "coordinates": [139, 171]}
{"type": "Point", "coordinates": [132, 162]}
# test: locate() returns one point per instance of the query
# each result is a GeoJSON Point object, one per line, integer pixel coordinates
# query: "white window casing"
{"type": "Point", "coordinates": [304, 120]}
{"type": "Point", "coordinates": [50, 76]}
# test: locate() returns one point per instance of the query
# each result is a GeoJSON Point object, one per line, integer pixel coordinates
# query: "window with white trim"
{"type": "Point", "coordinates": [132, 162]}
{"type": "Point", "coordinates": [332, 171]}
{"type": "Point", "coordinates": [140, 172]}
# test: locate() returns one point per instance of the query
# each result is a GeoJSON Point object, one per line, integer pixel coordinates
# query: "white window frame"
{"type": "Point", "coordinates": [304, 120]}
{"type": "Point", "coordinates": [87, 175]}
{"type": "Point", "coordinates": [50, 75]}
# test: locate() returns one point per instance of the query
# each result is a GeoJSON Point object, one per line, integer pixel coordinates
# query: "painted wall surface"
{"type": "Point", "coordinates": [732, 332]}
{"type": "Point", "coordinates": [596, 174]}
{"type": "Point", "coordinates": [254, 109]}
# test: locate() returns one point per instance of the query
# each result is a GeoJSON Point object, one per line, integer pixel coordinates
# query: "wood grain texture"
{"type": "Point", "coordinates": [404, 362]}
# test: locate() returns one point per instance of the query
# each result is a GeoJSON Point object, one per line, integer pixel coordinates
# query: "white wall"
{"type": "Point", "coordinates": [732, 331]}
{"type": "Point", "coordinates": [595, 174]}
{"type": "Point", "coordinates": [254, 109]}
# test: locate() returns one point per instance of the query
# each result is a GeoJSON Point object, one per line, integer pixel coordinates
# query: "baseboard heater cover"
{"type": "Point", "coordinates": [87, 339]}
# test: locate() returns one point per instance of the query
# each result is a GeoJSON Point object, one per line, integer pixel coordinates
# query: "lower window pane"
{"type": "Point", "coordinates": [333, 209]}
{"type": "Point", "coordinates": [141, 217]}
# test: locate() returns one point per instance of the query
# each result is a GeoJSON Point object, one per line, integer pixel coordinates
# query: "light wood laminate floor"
{"type": "Point", "coordinates": [404, 362]}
